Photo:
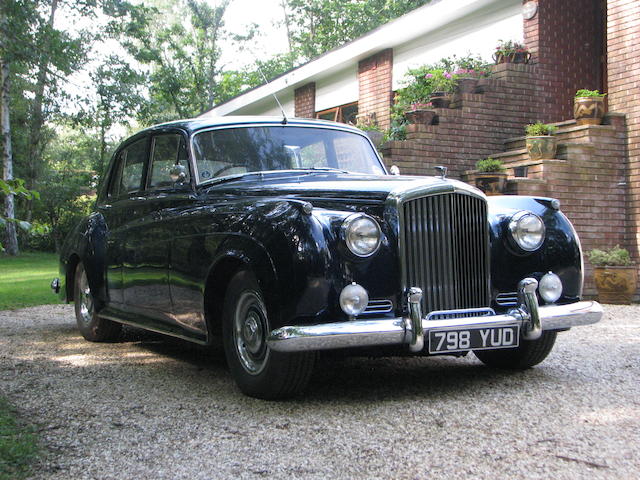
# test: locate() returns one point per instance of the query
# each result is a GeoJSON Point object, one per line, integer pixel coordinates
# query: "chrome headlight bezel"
{"type": "Point", "coordinates": [350, 235]}
{"type": "Point", "coordinates": [520, 231]}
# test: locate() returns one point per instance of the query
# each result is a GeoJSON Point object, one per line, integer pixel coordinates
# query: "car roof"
{"type": "Point", "coordinates": [195, 124]}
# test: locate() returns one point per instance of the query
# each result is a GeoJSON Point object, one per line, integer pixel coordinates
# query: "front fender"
{"type": "Point", "coordinates": [560, 252]}
{"type": "Point", "coordinates": [87, 244]}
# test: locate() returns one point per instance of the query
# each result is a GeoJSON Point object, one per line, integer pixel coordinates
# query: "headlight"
{"type": "Point", "coordinates": [362, 234]}
{"type": "Point", "coordinates": [550, 287]}
{"type": "Point", "coordinates": [527, 230]}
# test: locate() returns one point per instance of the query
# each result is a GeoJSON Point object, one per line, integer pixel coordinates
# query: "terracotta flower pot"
{"type": "Point", "coordinates": [616, 285]}
{"type": "Point", "coordinates": [440, 99]}
{"type": "Point", "coordinates": [544, 146]}
{"type": "Point", "coordinates": [491, 183]}
{"type": "Point", "coordinates": [422, 116]}
{"type": "Point", "coordinates": [588, 110]}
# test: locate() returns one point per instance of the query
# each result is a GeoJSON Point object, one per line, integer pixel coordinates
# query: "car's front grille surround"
{"type": "Point", "coordinates": [445, 243]}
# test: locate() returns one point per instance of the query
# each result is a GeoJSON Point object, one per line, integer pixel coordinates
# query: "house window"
{"type": "Point", "coordinates": [344, 113]}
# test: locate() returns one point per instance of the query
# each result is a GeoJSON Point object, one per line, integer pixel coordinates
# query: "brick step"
{"type": "Point", "coordinates": [569, 132]}
{"type": "Point", "coordinates": [526, 186]}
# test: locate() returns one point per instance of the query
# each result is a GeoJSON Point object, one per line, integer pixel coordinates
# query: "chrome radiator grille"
{"type": "Point", "coordinates": [445, 242]}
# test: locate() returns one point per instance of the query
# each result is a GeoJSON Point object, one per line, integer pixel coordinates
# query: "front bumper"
{"type": "Point", "coordinates": [411, 330]}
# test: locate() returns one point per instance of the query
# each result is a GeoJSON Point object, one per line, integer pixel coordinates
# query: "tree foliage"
{"type": "Point", "coordinates": [317, 26]}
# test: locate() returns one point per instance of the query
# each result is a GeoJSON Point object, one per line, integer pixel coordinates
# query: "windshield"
{"type": "Point", "coordinates": [232, 151]}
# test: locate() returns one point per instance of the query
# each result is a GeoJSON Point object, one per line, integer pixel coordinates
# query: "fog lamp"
{"type": "Point", "coordinates": [550, 287]}
{"type": "Point", "coordinates": [353, 299]}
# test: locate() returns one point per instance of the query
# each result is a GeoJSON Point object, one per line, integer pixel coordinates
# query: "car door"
{"type": "Point", "coordinates": [148, 238]}
{"type": "Point", "coordinates": [120, 209]}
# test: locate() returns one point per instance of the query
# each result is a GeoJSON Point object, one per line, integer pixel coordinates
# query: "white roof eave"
{"type": "Point", "coordinates": [415, 24]}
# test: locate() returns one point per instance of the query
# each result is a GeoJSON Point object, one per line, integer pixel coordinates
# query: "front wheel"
{"type": "Point", "coordinates": [91, 326]}
{"type": "Point", "coordinates": [259, 371]}
{"type": "Point", "coordinates": [528, 354]}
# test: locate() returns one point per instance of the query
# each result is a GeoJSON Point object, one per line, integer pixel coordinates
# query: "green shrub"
{"type": "Point", "coordinates": [614, 256]}
{"type": "Point", "coordinates": [589, 93]}
{"type": "Point", "coordinates": [489, 165]}
{"type": "Point", "coordinates": [539, 129]}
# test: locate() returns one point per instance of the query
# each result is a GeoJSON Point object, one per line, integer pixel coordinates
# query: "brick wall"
{"type": "Point", "coordinates": [374, 83]}
{"type": "Point", "coordinates": [623, 38]}
{"type": "Point", "coordinates": [566, 42]}
{"type": "Point", "coordinates": [305, 101]}
{"type": "Point", "coordinates": [475, 128]}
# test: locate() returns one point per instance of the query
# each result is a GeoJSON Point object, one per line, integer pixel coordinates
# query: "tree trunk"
{"type": "Point", "coordinates": [11, 236]}
{"type": "Point", "coordinates": [287, 24]}
{"type": "Point", "coordinates": [35, 147]}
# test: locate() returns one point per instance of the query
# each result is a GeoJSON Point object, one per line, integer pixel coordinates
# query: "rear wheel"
{"type": "Point", "coordinates": [259, 371]}
{"type": "Point", "coordinates": [528, 354]}
{"type": "Point", "coordinates": [91, 326]}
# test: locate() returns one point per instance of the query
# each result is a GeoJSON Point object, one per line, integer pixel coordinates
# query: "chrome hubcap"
{"type": "Point", "coordinates": [250, 329]}
{"type": "Point", "coordinates": [85, 299]}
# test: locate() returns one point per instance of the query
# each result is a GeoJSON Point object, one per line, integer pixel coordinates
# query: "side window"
{"type": "Point", "coordinates": [133, 167]}
{"type": "Point", "coordinates": [114, 187]}
{"type": "Point", "coordinates": [127, 176]}
{"type": "Point", "coordinates": [168, 151]}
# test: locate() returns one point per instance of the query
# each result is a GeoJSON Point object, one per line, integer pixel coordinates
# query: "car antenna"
{"type": "Point", "coordinates": [284, 115]}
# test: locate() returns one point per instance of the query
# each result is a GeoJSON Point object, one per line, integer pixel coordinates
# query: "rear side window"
{"type": "Point", "coordinates": [131, 161]}
{"type": "Point", "coordinates": [168, 151]}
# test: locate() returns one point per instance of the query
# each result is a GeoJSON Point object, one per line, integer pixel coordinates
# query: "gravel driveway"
{"type": "Point", "coordinates": [152, 408]}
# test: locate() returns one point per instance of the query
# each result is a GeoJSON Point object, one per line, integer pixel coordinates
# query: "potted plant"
{"type": "Point", "coordinates": [540, 141]}
{"type": "Point", "coordinates": [588, 107]}
{"type": "Point", "coordinates": [490, 176]}
{"type": "Point", "coordinates": [615, 276]}
{"type": "Point", "coordinates": [420, 113]}
{"type": "Point", "coordinates": [511, 52]}
{"type": "Point", "coordinates": [443, 84]}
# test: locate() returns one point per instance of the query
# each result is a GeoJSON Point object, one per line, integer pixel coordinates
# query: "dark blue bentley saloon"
{"type": "Point", "coordinates": [285, 238]}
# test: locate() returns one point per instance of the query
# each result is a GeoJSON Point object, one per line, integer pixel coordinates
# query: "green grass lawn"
{"type": "Point", "coordinates": [18, 445]}
{"type": "Point", "coordinates": [25, 280]}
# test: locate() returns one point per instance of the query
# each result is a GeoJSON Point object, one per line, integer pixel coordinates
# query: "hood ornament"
{"type": "Point", "coordinates": [442, 171]}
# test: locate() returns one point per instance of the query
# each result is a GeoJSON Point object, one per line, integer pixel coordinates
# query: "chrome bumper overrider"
{"type": "Point", "coordinates": [531, 318]}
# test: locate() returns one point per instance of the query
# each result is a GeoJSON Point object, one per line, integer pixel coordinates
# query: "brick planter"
{"type": "Point", "coordinates": [420, 116]}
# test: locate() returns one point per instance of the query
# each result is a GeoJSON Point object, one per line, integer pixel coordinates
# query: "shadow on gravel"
{"type": "Point", "coordinates": [344, 379]}
{"type": "Point", "coordinates": [398, 378]}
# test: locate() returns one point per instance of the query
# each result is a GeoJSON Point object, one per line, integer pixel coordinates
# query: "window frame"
{"type": "Point", "coordinates": [149, 167]}
{"type": "Point", "coordinates": [118, 167]}
{"type": "Point", "coordinates": [338, 113]}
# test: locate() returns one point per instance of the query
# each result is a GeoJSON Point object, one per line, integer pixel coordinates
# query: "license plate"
{"type": "Point", "coordinates": [475, 338]}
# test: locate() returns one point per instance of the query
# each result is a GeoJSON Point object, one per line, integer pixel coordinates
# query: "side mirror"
{"type": "Point", "coordinates": [178, 174]}
{"type": "Point", "coordinates": [394, 170]}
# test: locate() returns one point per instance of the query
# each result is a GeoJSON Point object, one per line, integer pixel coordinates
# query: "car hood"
{"type": "Point", "coordinates": [336, 186]}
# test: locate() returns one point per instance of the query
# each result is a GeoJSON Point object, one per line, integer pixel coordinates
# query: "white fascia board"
{"type": "Point", "coordinates": [417, 23]}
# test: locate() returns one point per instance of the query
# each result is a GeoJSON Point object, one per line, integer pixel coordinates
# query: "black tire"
{"type": "Point", "coordinates": [91, 326]}
{"type": "Point", "coordinates": [257, 370]}
{"type": "Point", "coordinates": [528, 354]}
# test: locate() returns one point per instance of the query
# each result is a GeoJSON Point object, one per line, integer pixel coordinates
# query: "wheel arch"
{"type": "Point", "coordinates": [70, 277]}
{"type": "Point", "coordinates": [252, 258]}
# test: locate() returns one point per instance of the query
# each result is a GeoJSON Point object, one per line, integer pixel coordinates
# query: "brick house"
{"type": "Point", "coordinates": [574, 44]}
